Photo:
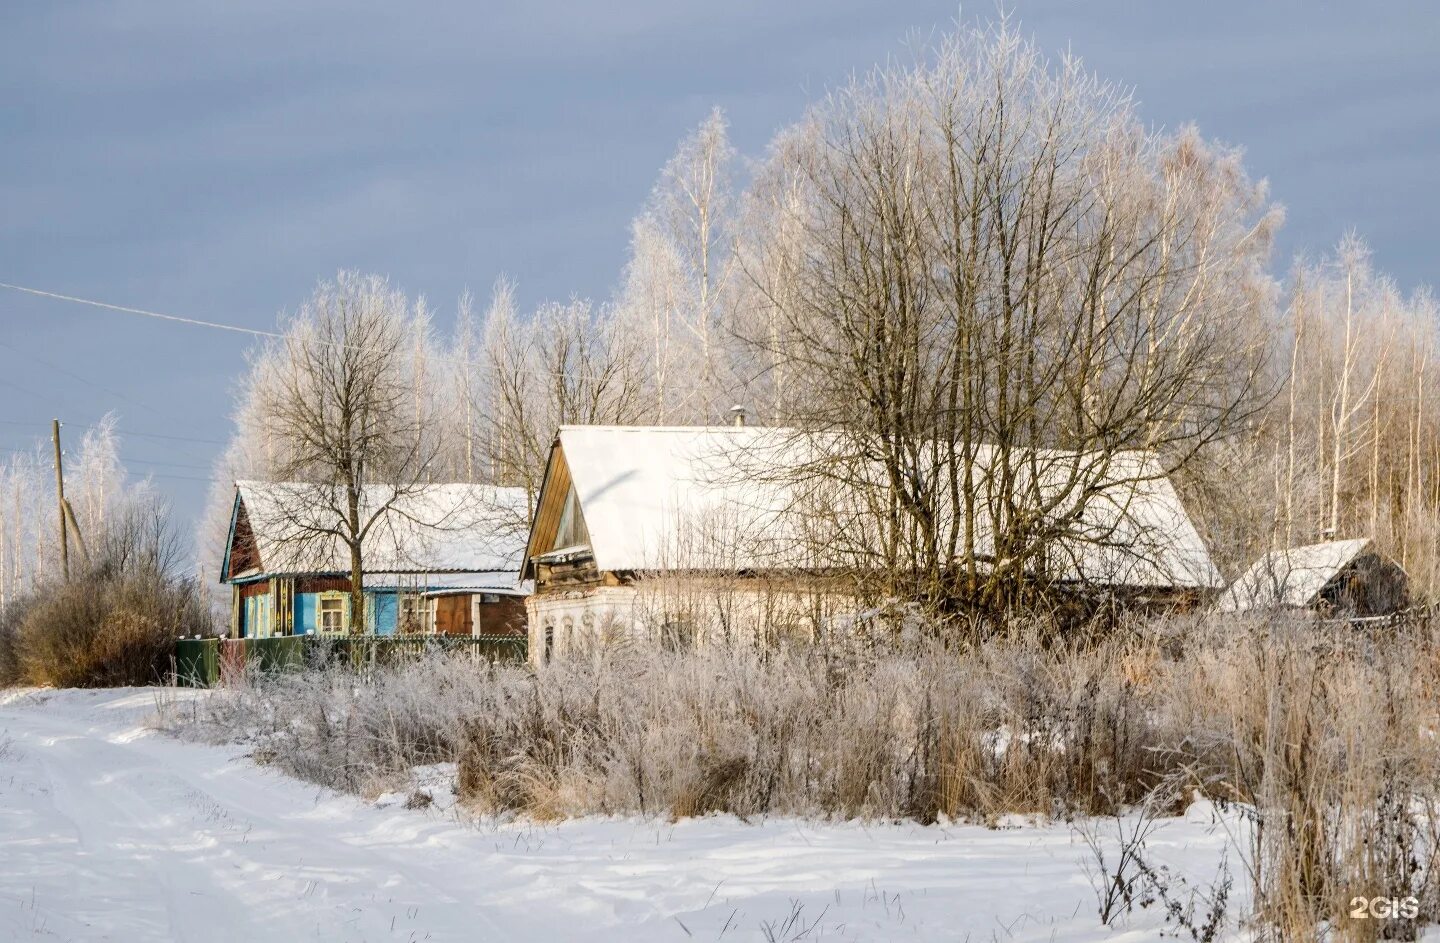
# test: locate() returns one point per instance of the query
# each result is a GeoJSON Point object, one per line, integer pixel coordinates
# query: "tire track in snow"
{"type": "Point", "coordinates": [204, 858]}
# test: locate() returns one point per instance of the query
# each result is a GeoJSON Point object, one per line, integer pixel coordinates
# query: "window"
{"type": "Point", "coordinates": [332, 617]}
{"type": "Point", "coordinates": [257, 616]}
{"type": "Point", "coordinates": [415, 617]}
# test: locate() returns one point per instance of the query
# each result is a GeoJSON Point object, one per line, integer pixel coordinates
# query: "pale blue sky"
{"type": "Point", "coordinates": [214, 159]}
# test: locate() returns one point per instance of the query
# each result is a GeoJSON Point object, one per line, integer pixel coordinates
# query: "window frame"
{"type": "Point", "coordinates": [332, 603]}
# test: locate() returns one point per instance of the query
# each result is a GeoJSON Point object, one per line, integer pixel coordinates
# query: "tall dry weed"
{"type": "Point", "coordinates": [1326, 737]}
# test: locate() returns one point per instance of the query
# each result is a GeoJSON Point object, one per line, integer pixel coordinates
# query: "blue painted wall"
{"type": "Point", "coordinates": [385, 607]}
{"type": "Point", "coordinates": [304, 613]}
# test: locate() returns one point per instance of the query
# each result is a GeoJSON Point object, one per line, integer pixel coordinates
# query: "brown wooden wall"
{"type": "Point", "coordinates": [506, 617]}
{"type": "Point", "coordinates": [243, 554]}
{"type": "Point", "coordinates": [452, 615]}
{"type": "Point", "coordinates": [257, 588]}
{"type": "Point", "coordinates": [322, 584]}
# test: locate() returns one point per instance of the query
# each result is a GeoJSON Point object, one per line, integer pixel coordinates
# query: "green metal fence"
{"type": "Point", "coordinates": [203, 663]}
{"type": "Point", "coordinates": [197, 662]}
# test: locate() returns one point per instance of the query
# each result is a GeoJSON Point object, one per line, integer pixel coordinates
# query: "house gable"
{"type": "Point", "coordinates": [557, 512]}
{"type": "Point", "coordinates": [242, 554]}
{"type": "Point", "coordinates": [559, 551]}
{"type": "Point", "coordinates": [1370, 585]}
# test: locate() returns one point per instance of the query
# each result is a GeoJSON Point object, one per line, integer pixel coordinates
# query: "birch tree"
{"type": "Point", "coordinates": [566, 364]}
{"type": "Point", "coordinates": [678, 290]}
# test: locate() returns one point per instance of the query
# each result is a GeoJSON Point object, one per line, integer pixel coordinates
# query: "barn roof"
{"type": "Point", "coordinates": [475, 530]}
{"type": "Point", "coordinates": [1292, 577]}
{"type": "Point", "coordinates": [645, 492]}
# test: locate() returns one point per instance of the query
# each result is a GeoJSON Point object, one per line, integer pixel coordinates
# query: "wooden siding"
{"type": "Point", "coordinates": [257, 588]}
{"type": "Point", "coordinates": [322, 584]}
{"type": "Point", "coordinates": [243, 553]}
{"type": "Point", "coordinates": [455, 615]}
{"type": "Point", "coordinates": [505, 616]}
{"type": "Point", "coordinates": [1372, 585]}
{"type": "Point", "coordinates": [553, 493]}
{"type": "Point", "coordinates": [568, 574]}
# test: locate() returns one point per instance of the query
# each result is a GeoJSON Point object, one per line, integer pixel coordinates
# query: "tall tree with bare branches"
{"type": "Point", "coordinates": [339, 400]}
{"type": "Point", "coordinates": [988, 252]}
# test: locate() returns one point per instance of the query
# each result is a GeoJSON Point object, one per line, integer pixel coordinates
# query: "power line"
{"type": "Point", "coordinates": [158, 435]}
{"type": "Point", "coordinates": [90, 383]}
{"type": "Point", "coordinates": [160, 461]}
{"type": "Point", "coordinates": [135, 474]}
{"type": "Point", "coordinates": [141, 311]}
{"type": "Point", "coordinates": [255, 332]}
{"type": "Point", "coordinates": [78, 377]}
{"type": "Point", "coordinates": [119, 432]}
{"type": "Point", "coordinates": [38, 448]}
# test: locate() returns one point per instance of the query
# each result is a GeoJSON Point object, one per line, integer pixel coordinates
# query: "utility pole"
{"type": "Point", "coordinates": [60, 494]}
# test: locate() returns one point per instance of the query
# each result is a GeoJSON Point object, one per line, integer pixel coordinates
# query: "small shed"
{"type": "Point", "coordinates": [1338, 577]}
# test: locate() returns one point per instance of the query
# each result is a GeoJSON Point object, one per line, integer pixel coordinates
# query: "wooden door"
{"type": "Point", "coordinates": [452, 615]}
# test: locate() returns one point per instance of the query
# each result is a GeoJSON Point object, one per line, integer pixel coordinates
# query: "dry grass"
{"type": "Point", "coordinates": [99, 631]}
{"type": "Point", "coordinates": [1325, 736]}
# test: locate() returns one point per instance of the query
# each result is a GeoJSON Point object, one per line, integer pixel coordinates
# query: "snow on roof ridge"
{"type": "Point", "coordinates": [644, 490]}
{"type": "Point", "coordinates": [729, 428]}
{"type": "Point", "coordinates": [437, 527]}
{"type": "Point", "coordinates": [1291, 576]}
{"type": "Point", "coordinates": [714, 427]}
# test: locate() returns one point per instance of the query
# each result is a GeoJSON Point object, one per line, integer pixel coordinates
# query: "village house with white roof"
{"type": "Point", "coordinates": [687, 531]}
{"type": "Point", "coordinates": [444, 559]}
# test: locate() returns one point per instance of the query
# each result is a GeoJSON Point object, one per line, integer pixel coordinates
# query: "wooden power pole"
{"type": "Point", "coordinates": [60, 494]}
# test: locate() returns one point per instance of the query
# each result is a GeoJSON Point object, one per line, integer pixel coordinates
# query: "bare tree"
{"type": "Point", "coordinates": [97, 490]}
{"type": "Point", "coordinates": [466, 385]}
{"type": "Point", "coordinates": [568, 364]}
{"type": "Point", "coordinates": [997, 282]}
{"type": "Point", "coordinates": [679, 287]}
{"type": "Point", "coordinates": [1349, 399]}
{"type": "Point", "coordinates": [651, 307]}
{"type": "Point", "coordinates": [337, 397]}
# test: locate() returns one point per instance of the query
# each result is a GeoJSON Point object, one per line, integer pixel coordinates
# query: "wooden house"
{"type": "Point", "coordinates": [1339, 578]}
{"type": "Point", "coordinates": [679, 533]}
{"type": "Point", "coordinates": [444, 560]}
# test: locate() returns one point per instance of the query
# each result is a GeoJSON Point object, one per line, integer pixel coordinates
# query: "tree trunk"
{"type": "Point", "coordinates": [357, 592]}
{"type": "Point", "coordinates": [357, 566]}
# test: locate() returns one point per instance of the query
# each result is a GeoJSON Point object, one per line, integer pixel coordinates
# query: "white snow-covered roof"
{"type": "Point", "coordinates": [728, 497]}
{"type": "Point", "coordinates": [1290, 578]}
{"type": "Point", "coordinates": [477, 530]}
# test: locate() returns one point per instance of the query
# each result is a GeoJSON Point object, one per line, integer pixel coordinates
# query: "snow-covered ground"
{"type": "Point", "coordinates": [109, 831]}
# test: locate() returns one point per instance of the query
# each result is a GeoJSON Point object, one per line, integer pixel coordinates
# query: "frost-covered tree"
{"type": "Point", "coordinates": [679, 289]}
{"type": "Point", "coordinates": [342, 404]}
{"type": "Point", "coordinates": [566, 364]}
{"type": "Point", "coordinates": [987, 250]}
{"type": "Point", "coordinates": [106, 503]}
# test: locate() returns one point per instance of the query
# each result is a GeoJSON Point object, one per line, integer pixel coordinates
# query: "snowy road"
{"type": "Point", "coordinates": [111, 832]}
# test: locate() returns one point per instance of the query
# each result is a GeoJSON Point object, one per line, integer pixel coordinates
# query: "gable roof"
{"type": "Point", "coordinates": [441, 528]}
{"type": "Point", "coordinates": [1292, 577]}
{"type": "Point", "coordinates": [645, 491]}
